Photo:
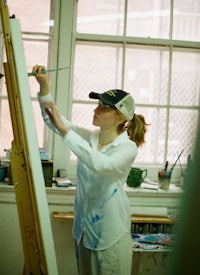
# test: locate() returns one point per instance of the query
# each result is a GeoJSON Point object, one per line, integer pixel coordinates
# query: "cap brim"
{"type": "Point", "coordinates": [94, 95]}
{"type": "Point", "coordinates": [102, 98]}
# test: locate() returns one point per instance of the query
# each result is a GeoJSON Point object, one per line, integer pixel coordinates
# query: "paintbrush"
{"type": "Point", "coordinates": [47, 71]}
{"type": "Point", "coordinates": [42, 72]}
{"type": "Point", "coordinates": [176, 161]}
{"type": "Point", "coordinates": [166, 165]}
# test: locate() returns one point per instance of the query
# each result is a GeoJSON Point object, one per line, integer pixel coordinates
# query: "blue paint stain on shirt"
{"type": "Point", "coordinates": [96, 240]}
{"type": "Point", "coordinates": [108, 198]}
{"type": "Point", "coordinates": [114, 191]}
{"type": "Point", "coordinates": [96, 219]}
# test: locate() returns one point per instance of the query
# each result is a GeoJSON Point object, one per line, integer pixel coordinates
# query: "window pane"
{"type": "Point", "coordinates": [185, 78]}
{"type": "Point", "coordinates": [182, 133]}
{"type": "Point", "coordinates": [100, 17]}
{"type": "Point", "coordinates": [153, 150]}
{"type": "Point", "coordinates": [82, 115]}
{"type": "Point", "coordinates": [146, 74]}
{"type": "Point", "coordinates": [186, 23]}
{"type": "Point", "coordinates": [34, 15]}
{"type": "Point", "coordinates": [148, 18]}
{"type": "Point", "coordinates": [97, 68]}
{"type": "Point", "coordinates": [36, 52]}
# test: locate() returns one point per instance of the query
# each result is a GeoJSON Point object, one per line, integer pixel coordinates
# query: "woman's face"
{"type": "Point", "coordinates": [105, 116]}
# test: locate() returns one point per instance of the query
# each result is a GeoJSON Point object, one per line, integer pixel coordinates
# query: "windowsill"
{"type": "Point", "coordinates": [173, 190]}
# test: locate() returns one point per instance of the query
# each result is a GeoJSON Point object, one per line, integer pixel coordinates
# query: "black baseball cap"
{"type": "Point", "coordinates": [119, 99]}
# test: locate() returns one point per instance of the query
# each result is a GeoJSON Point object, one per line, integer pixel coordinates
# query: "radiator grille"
{"type": "Point", "coordinates": [152, 228]}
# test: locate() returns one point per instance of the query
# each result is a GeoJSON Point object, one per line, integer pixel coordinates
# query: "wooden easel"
{"type": "Point", "coordinates": [32, 206]}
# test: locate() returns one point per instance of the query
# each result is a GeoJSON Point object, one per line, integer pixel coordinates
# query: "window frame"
{"type": "Point", "coordinates": [63, 50]}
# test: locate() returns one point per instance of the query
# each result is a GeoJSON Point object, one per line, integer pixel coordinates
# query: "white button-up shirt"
{"type": "Point", "coordinates": [102, 212]}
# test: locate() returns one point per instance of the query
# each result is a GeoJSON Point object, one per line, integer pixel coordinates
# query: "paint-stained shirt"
{"type": "Point", "coordinates": [101, 209]}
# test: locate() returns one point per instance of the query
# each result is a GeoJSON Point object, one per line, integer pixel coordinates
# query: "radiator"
{"type": "Point", "coordinates": [152, 228]}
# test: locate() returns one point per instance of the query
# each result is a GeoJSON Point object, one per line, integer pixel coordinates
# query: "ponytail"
{"type": "Point", "coordinates": [136, 129]}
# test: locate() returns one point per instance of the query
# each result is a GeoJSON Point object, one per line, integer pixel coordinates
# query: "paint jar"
{"type": "Point", "coordinates": [164, 178]}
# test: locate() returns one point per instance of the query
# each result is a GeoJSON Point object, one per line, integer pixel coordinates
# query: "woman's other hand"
{"type": "Point", "coordinates": [55, 117]}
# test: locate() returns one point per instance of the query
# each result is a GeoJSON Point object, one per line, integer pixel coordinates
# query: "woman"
{"type": "Point", "coordinates": [101, 213]}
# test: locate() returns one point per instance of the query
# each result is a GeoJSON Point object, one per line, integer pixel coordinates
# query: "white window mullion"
{"type": "Point", "coordinates": [62, 84]}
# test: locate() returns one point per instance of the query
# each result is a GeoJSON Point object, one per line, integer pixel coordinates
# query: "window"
{"type": "Point", "coordinates": [150, 49]}
{"type": "Point", "coordinates": [37, 33]}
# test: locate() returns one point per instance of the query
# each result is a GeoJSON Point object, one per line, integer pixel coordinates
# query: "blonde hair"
{"type": "Point", "coordinates": [136, 129]}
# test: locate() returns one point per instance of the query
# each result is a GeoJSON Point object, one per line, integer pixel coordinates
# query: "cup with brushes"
{"type": "Point", "coordinates": [164, 175]}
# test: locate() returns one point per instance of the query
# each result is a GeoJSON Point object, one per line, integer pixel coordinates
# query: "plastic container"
{"type": "Point", "coordinates": [3, 172]}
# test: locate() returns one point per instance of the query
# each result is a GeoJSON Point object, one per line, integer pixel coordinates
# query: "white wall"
{"type": "Point", "coordinates": [12, 259]}
{"type": "Point", "coordinates": [61, 200]}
